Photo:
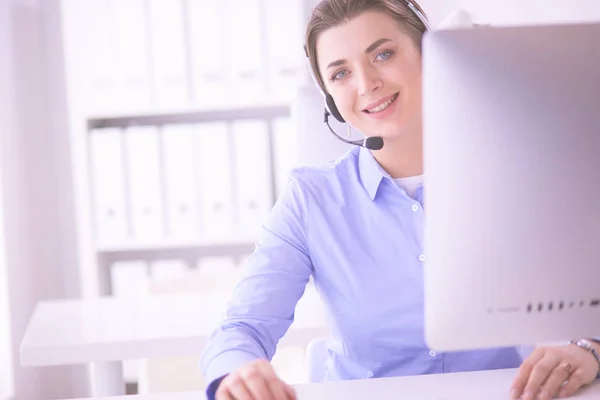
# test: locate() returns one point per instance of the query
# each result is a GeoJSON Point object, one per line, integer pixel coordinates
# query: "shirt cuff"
{"type": "Point", "coordinates": [211, 390]}
{"type": "Point", "coordinates": [225, 363]}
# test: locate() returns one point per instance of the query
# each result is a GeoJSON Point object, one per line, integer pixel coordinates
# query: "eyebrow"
{"type": "Point", "coordinates": [376, 44]}
{"type": "Point", "coordinates": [368, 50]}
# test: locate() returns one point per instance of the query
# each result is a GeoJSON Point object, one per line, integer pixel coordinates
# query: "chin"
{"type": "Point", "coordinates": [391, 136]}
{"type": "Point", "coordinates": [390, 130]}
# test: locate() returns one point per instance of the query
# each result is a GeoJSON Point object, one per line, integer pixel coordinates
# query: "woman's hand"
{"type": "Point", "coordinates": [254, 381]}
{"type": "Point", "coordinates": [551, 372]}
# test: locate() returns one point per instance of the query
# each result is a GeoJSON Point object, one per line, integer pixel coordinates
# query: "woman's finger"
{"type": "Point", "coordinates": [541, 371]}
{"type": "Point", "coordinates": [223, 392]}
{"type": "Point", "coordinates": [238, 389]}
{"type": "Point", "coordinates": [573, 384]}
{"type": "Point", "coordinates": [523, 373]}
{"type": "Point", "coordinates": [557, 378]}
{"type": "Point", "coordinates": [290, 392]}
{"type": "Point", "coordinates": [257, 384]}
{"type": "Point", "coordinates": [275, 384]}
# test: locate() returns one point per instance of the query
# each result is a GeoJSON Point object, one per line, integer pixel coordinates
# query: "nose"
{"type": "Point", "coordinates": [368, 80]}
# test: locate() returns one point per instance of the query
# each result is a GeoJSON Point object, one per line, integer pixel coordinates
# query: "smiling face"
{"type": "Point", "coordinates": [372, 69]}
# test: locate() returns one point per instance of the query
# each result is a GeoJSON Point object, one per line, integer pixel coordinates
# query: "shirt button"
{"type": "Point", "coordinates": [422, 257]}
{"type": "Point", "coordinates": [415, 207]}
{"type": "Point", "coordinates": [432, 353]}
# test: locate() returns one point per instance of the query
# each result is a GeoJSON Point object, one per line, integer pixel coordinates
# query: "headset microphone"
{"type": "Point", "coordinates": [371, 143]}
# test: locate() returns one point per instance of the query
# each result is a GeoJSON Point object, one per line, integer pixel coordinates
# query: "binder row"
{"type": "Point", "coordinates": [171, 53]}
{"type": "Point", "coordinates": [188, 181]}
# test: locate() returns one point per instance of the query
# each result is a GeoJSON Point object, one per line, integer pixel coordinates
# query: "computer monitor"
{"type": "Point", "coordinates": [512, 194]}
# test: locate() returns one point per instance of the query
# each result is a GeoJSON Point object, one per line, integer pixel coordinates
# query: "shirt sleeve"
{"type": "Point", "coordinates": [263, 303]}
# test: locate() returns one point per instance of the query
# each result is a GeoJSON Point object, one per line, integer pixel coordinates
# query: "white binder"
{"type": "Point", "coordinates": [168, 53]}
{"type": "Point", "coordinates": [244, 21]}
{"type": "Point", "coordinates": [284, 149]}
{"type": "Point", "coordinates": [284, 34]}
{"type": "Point", "coordinates": [168, 269]}
{"type": "Point", "coordinates": [129, 279]}
{"type": "Point", "coordinates": [253, 186]}
{"type": "Point", "coordinates": [217, 265]}
{"type": "Point", "coordinates": [101, 75]}
{"type": "Point", "coordinates": [180, 181]}
{"type": "Point", "coordinates": [209, 52]}
{"type": "Point", "coordinates": [144, 178]}
{"type": "Point", "coordinates": [130, 44]}
{"type": "Point", "coordinates": [107, 173]}
{"type": "Point", "coordinates": [214, 156]}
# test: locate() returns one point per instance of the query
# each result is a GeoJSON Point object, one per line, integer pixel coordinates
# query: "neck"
{"type": "Point", "coordinates": [402, 157]}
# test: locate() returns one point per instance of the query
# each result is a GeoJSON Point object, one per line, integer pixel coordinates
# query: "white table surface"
{"type": "Point", "coordinates": [75, 332]}
{"type": "Point", "coordinates": [488, 385]}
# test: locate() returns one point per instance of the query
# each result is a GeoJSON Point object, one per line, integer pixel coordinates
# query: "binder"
{"type": "Point", "coordinates": [215, 176]}
{"type": "Point", "coordinates": [168, 270]}
{"type": "Point", "coordinates": [108, 185]}
{"type": "Point", "coordinates": [144, 182]}
{"type": "Point", "coordinates": [129, 279]}
{"type": "Point", "coordinates": [245, 44]}
{"type": "Point", "coordinates": [217, 265]}
{"type": "Point", "coordinates": [210, 69]}
{"type": "Point", "coordinates": [253, 181]}
{"type": "Point", "coordinates": [284, 34]}
{"type": "Point", "coordinates": [284, 146]}
{"type": "Point", "coordinates": [168, 53]}
{"type": "Point", "coordinates": [101, 76]}
{"type": "Point", "coordinates": [180, 181]}
{"type": "Point", "coordinates": [130, 43]}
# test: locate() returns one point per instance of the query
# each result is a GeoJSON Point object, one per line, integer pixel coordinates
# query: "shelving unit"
{"type": "Point", "coordinates": [112, 47]}
{"type": "Point", "coordinates": [190, 249]}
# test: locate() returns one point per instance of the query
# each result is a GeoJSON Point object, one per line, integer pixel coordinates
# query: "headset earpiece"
{"type": "Point", "coordinates": [332, 108]}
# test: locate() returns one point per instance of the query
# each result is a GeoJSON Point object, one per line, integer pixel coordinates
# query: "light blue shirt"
{"type": "Point", "coordinates": [361, 238]}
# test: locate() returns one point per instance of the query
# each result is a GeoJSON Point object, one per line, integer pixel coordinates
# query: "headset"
{"type": "Point", "coordinates": [373, 142]}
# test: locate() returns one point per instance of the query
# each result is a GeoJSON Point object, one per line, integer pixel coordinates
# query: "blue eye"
{"type": "Point", "coordinates": [384, 55]}
{"type": "Point", "coordinates": [339, 75]}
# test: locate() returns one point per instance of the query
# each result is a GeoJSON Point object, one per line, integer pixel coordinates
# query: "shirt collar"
{"type": "Point", "coordinates": [371, 173]}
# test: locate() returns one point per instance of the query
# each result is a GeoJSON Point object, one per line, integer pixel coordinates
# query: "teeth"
{"type": "Point", "coordinates": [383, 106]}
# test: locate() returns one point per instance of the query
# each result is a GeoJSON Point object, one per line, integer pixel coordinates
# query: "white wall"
{"type": "Point", "coordinates": [6, 374]}
{"type": "Point", "coordinates": [6, 371]}
{"type": "Point", "coordinates": [6, 367]}
{"type": "Point", "coordinates": [35, 167]}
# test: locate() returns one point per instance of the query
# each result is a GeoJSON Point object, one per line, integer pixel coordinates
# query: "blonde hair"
{"type": "Point", "coordinates": [330, 13]}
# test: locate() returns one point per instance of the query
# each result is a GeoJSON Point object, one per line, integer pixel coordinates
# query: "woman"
{"type": "Point", "coordinates": [356, 226]}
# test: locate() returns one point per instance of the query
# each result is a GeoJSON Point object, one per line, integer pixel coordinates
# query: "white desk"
{"type": "Point", "coordinates": [488, 385]}
{"type": "Point", "coordinates": [106, 331]}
